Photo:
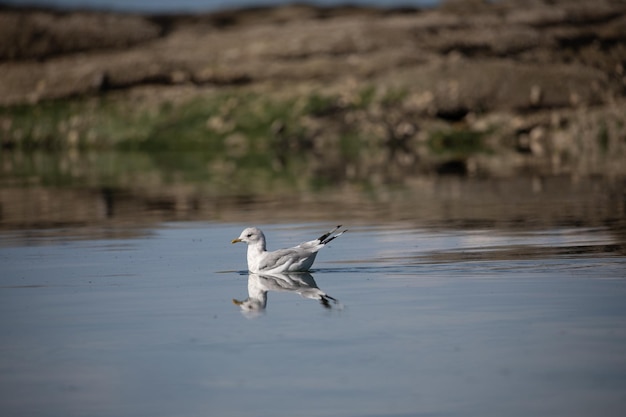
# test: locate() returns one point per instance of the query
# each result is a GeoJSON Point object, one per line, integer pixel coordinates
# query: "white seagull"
{"type": "Point", "coordinates": [301, 283]}
{"type": "Point", "coordinates": [296, 259]}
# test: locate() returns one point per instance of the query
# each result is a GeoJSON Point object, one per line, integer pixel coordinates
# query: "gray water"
{"type": "Point", "coordinates": [428, 322]}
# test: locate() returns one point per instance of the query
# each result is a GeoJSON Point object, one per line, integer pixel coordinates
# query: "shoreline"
{"type": "Point", "coordinates": [468, 88]}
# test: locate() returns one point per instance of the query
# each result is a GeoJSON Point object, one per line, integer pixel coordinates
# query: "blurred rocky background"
{"type": "Point", "coordinates": [298, 98]}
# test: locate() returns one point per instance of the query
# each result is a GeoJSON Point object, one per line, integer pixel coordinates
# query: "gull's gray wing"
{"type": "Point", "coordinates": [275, 259]}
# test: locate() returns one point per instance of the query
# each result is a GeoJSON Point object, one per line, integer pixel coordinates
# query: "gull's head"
{"type": "Point", "coordinates": [251, 235]}
{"type": "Point", "coordinates": [251, 308]}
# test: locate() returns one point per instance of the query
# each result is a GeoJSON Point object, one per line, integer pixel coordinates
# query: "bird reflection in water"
{"type": "Point", "coordinates": [301, 283]}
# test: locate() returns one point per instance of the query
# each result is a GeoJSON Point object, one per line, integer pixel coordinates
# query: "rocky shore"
{"type": "Point", "coordinates": [541, 83]}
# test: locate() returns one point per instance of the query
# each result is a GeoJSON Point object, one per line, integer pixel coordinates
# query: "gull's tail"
{"type": "Point", "coordinates": [327, 237]}
{"type": "Point", "coordinates": [326, 299]}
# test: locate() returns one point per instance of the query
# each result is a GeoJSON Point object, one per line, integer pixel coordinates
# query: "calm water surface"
{"type": "Point", "coordinates": [428, 323]}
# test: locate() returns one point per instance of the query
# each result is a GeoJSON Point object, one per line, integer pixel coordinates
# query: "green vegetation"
{"type": "Point", "coordinates": [321, 105]}
{"type": "Point", "coordinates": [202, 124]}
{"type": "Point", "coordinates": [234, 139]}
{"type": "Point", "coordinates": [365, 97]}
{"type": "Point", "coordinates": [228, 139]}
{"type": "Point", "coordinates": [234, 123]}
{"type": "Point", "coordinates": [457, 142]}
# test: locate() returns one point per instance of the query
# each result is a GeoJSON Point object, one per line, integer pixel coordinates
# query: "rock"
{"type": "Point", "coordinates": [302, 47]}
{"type": "Point", "coordinates": [40, 35]}
{"type": "Point", "coordinates": [507, 50]}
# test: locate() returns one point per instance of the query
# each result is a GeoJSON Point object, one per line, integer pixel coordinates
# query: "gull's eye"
{"type": "Point", "coordinates": [249, 235]}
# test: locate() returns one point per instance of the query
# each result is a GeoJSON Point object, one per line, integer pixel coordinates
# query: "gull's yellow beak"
{"type": "Point", "coordinates": [237, 302]}
{"type": "Point", "coordinates": [236, 240]}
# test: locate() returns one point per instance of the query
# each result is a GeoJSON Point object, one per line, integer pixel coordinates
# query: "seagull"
{"type": "Point", "coordinates": [296, 259]}
{"type": "Point", "coordinates": [301, 283]}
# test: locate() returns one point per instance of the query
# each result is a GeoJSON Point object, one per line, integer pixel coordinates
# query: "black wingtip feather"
{"type": "Point", "coordinates": [325, 238]}
{"type": "Point", "coordinates": [325, 235]}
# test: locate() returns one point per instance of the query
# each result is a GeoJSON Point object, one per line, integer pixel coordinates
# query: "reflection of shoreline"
{"type": "Point", "coordinates": [442, 202]}
{"type": "Point", "coordinates": [301, 283]}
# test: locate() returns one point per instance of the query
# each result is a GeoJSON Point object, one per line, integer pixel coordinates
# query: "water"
{"type": "Point", "coordinates": [430, 321]}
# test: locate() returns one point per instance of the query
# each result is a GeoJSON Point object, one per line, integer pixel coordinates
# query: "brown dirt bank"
{"type": "Point", "coordinates": [48, 55]}
{"type": "Point", "coordinates": [542, 81]}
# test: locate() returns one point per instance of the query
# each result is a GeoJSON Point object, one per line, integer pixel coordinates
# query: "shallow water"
{"type": "Point", "coordinates": [428, 322]}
